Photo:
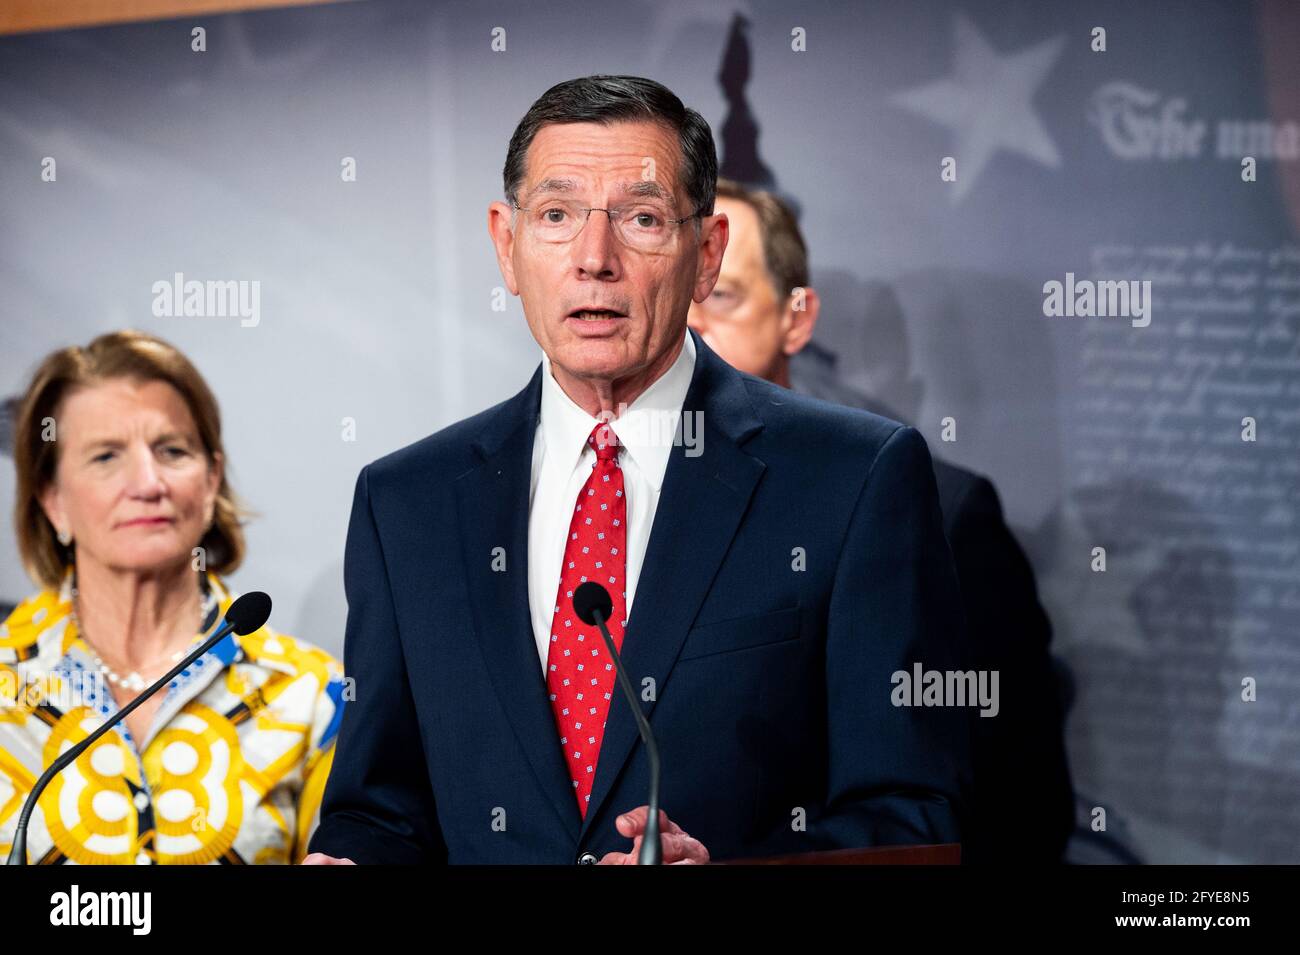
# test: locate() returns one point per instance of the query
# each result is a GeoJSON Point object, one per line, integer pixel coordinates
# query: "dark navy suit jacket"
{"type": "Point", "coordinates": [793, 566]}
{"type": "Point", "coordinates": [1022, 797]}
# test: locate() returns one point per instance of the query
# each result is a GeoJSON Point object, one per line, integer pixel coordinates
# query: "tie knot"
{"type": "Point", "coordinates": [605, 441]}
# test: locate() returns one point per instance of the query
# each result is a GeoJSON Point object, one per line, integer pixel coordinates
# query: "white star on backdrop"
{"type": "Point", "coordinates": [987, 102]}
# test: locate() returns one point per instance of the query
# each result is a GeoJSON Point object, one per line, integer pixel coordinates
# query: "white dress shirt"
{"type": "Point", "coordinates": [562, 462]}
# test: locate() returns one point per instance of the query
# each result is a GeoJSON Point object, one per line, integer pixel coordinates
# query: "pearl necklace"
{"type": "Point", "coordinates": [133, 681]}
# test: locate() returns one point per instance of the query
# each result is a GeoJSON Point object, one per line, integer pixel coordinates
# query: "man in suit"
{"type": "Point", "coordinates": [760, 318]}
{"type": "Point", "coordinates": [774, 562]}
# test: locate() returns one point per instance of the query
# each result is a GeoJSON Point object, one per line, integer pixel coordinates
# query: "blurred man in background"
{"type": "Point", "coordinates": [761, 313]}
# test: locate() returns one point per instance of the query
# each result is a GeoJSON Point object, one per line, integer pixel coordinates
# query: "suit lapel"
{"type": "Point", "coordinates": [701, 504]}
{"type": "Point", "coordinates": [493, 501]}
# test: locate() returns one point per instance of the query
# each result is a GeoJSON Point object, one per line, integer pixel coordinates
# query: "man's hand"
{"type": "Point", "coordinates": [679, 847]}
{"type": "Point", "coordinates": [320, 858]}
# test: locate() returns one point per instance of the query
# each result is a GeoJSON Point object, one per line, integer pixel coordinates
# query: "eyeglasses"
{"type": "Point", "coordinates": [645, 226]}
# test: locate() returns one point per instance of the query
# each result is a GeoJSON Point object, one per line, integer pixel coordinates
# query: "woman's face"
{"type": "Point", "coordinates": [133, 484]}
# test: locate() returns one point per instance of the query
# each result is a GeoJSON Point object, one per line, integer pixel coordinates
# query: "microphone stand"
{"type": "Point", "coordinates": [18, 852]}
{"type": "Point", "coordinates": [651, 847]}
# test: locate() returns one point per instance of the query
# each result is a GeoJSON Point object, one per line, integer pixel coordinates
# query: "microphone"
{"type": "Point", "coordinates": [245, 615]}
{"type": "Point", "coordinates": [593, 605]}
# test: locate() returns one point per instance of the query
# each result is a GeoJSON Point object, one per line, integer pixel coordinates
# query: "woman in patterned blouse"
{"type": "Point", "coordinates": [125, 518]}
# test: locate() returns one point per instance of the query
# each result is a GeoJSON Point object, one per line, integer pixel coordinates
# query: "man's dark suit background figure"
{"type": "Point", "coordinates": [761, 317]}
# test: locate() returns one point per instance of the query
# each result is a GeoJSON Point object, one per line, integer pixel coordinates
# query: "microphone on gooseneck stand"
{"type": "Point", "coordinates": [245, 615]}
{"type": "Point", "coordinates": [593, 605]}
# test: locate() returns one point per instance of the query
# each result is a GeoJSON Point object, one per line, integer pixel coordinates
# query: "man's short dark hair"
{"type": "Point", "coordinates": [611, 99]}
{"type": "Point", "coordinates": [784, 251]}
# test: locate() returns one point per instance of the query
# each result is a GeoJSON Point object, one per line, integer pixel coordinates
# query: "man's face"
{"type": "Point", "coordinates": [742, 319]}
{"type": "Point", "coordinates": [646, 293]}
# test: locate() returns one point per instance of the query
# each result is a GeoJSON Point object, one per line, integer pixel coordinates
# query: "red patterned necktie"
{"type": "Point", "coordinates": [579, 672]}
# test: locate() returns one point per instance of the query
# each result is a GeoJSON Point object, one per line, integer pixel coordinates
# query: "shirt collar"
{"type": "Point", "coordinates": [646, 429]}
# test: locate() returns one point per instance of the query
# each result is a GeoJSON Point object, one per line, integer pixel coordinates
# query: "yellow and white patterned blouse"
{"type": "Point", "coordinates": [232, 770]}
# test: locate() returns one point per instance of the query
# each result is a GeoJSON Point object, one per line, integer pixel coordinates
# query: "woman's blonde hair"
{"type": "Point", "coordinates": [125, 354]}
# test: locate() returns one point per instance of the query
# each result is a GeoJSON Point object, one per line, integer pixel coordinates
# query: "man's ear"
{"type": "Point", "coordinates": [714, 231]}
{"type": "Point", "coordinates": [503, 239]}
{"type": "Point", "coordinates": [801, 311]}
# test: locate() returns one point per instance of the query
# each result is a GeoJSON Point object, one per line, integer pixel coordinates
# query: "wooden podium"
{"type": "Point", "coordinates": [948, 853]}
